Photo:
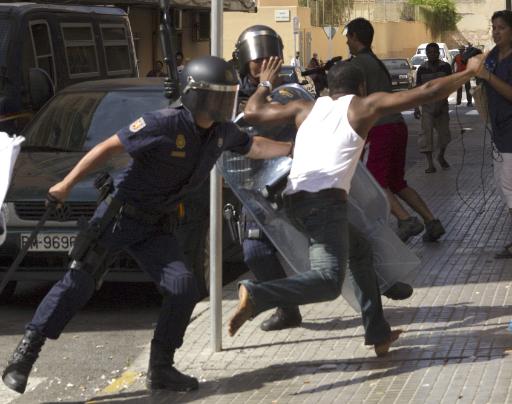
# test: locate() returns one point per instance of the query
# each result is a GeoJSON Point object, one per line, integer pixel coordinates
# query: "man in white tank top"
{"type": "Point", "coordinates": [330, 138]}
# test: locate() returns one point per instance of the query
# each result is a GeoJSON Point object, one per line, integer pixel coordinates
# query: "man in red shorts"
{"type": "Point", "coordinates": [388, 141]}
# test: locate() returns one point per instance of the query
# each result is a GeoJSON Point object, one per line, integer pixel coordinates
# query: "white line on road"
{"type": "Point", "coordinates": [7, 395]}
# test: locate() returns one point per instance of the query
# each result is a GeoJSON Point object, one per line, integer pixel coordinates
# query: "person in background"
{"type": "Point", "coordinates": [434, 115]}
{"type": "Point", "coordinates": [497, 77]}
{"type": "Point", "coordinates": [179, 62]}
{"type": "Point", "coordinates": [157, 71]}
{"type": "Point", "coordinates": [388, 141]}
{"type": "Point", "coordinates": [459, 64]}
{"type": "Point", "coordinates": [295, 61]}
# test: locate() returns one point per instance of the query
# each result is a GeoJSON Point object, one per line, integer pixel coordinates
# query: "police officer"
{"type": "Point", "coordinates": [173, 151]}
{"type": "Point", "coordinates": [254, 45]}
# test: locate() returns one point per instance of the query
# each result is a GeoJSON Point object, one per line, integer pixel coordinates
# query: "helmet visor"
{"type": "Point", "coordinates": [219, 105]}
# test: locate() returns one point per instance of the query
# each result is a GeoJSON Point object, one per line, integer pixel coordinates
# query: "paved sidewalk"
{"type": "Point", "coordinates": [454, 348]}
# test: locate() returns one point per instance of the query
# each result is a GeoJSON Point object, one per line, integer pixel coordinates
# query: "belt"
{"type": "Point", "coordinates": [136, 213]}
{"type": "Point", "coordinates": [335, 193]}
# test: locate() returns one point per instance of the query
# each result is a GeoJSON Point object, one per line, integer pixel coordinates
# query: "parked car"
{"type": "Point", "coordinates": [401, 73]}
{"type": "Point", "coordinates": [65, 43]}
{"type": "Point", "coordinates": [417, 61]}
{"type": "Point", "coordinates": [74, 121]}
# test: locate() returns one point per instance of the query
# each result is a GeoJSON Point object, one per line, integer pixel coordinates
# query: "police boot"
{"type": "Point", "coordinates": [284, 317]}
{"type": "Point", "coordinates": [162, 375]}
{"type": "Point", "coordinates": [18, 368]}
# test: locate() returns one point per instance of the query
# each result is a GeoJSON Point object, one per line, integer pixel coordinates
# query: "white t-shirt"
{"type": "Point", "coordinates": [327, 148]}
{"type": "Point", "coordinates": [295, 62]}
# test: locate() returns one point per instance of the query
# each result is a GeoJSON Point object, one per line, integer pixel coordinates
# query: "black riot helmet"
{"type": "Point", "coordinates": [256, 42]}
{"type": "Point", "coordinates": [210, 85]}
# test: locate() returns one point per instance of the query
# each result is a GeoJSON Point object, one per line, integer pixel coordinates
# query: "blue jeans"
{"type": "Point", "coordinates": [322, 216]}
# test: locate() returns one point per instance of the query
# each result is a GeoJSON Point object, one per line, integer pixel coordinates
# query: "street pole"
{"type": "Point", "coordinates": [508, 5]}
{"type": "Point", "coordinates": [215, 206]}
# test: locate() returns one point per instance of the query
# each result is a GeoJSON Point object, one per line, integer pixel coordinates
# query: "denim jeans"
{"type": "Point", "coordinates": [322, 216]}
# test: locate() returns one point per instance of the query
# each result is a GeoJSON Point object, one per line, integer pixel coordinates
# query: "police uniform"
{"type": "Point", "coordinates": [171, 156]}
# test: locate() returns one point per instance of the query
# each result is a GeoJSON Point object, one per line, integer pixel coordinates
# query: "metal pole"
{"type": "Point", "coordinates": [508, 5]}
{"type": "Point", "coordinates": [215, 206]}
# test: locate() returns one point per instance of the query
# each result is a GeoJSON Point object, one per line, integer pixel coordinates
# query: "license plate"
{"type": "Point", "coordinates": [394, 83]}
{"type": "Point", "coordinates": [49, 241]}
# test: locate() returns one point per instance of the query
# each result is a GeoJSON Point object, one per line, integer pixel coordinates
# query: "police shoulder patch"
{"type": "Point", "coordinates": [137, 125]}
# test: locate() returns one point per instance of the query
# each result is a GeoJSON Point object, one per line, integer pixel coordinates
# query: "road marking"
{"type": "Point", "coordinates": [7, 395]}
{"type": "Point", "coordinates": [472, 112]}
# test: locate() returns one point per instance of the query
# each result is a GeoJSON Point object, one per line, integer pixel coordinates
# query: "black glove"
{"type": "Point", "coordinates": [171, 88]}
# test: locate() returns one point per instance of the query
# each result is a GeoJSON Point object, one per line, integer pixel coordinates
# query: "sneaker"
{"type": "Point", "coordinates": [469, 104]}
{"type": "Point", "coordinates": [433, 230]}
{"type": "Point", "coordinates": [409, 227]}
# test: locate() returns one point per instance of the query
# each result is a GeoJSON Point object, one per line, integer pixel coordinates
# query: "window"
{"type": "Point", "coordinates": [81, 55]}
{"type": "Point", "coordinates": [202, 26]}
{"type": "Point", "coordinates": [116, 49]}
{"type": "Point", "coordinates": [42, 47]}
{"type": "Point", "coordinates": [5, 29]}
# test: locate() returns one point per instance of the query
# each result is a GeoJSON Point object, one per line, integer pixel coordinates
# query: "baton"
{"type": "Point", "coordinates": [52, 203]}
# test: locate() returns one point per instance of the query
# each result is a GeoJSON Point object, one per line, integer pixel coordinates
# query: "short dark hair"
{"type": "Point", "coordinates": [432, 45]}
{"type": "Point", "coordinates": [363, 30]}
{"type": "Point", "coordinates": [344, 77]}
{"type": "Point", "coordinates": [179, 54]}
{"type": "Point", "coordinates": [505, 15]}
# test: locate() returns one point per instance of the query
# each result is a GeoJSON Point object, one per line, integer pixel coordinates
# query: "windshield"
{"type": "Point", "coordinates": [76, 122]}
{"type": "Point", "coordinates": [396, 63]}
{"type": "Point", "coordinates": [418, 60]}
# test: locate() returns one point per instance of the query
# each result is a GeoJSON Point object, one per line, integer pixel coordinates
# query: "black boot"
{"type": "Point", "coordinates": [288, 317]}
{"type": "Point", "coordinates": [18, 368]}
{"type": "Point", "coordinates": [162, 375]}
{"type": "Point", "coordinates": [399, 291]}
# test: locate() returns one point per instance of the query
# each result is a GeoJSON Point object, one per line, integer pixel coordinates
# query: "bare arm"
{"type": "Point", "coordinates": [259, 111]}
{"type": "Point", "coordinates": [263, 148]}
{"type": "Point", "coordinates": [94, 159]}
{"type": "Point", "coordinates": [364, 112]}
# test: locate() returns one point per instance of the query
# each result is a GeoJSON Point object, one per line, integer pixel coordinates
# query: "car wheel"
{"type": "Point", "coordinates": [8, 292]}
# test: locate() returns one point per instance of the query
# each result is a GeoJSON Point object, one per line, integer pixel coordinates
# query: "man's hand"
{"type": "Point", "coordinates": [270, 70]}
{"type": "Point", "coordinates": [60, 192]}
{"type": "Point", "coordinates": [476, 66]}
{"type": "Point", "coordinates": [417, 113]}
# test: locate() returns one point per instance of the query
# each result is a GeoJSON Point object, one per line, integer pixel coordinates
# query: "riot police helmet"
{"type": "Point", "coordinates": [210, 86]}
{"type": "Point", "coordinates": [257, 42]}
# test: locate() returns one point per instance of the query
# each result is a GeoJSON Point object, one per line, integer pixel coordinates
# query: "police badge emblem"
{"type": "Point", "coordinates": [137, 125]}
{"type": "Point", "coordinates": [180, 141]}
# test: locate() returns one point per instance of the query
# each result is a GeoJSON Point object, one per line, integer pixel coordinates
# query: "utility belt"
{"type": "Point", "coordinates": [166, 219]}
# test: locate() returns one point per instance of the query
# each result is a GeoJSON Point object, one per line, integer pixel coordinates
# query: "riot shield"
{"type": "Point", "coordinates": [253, 182]}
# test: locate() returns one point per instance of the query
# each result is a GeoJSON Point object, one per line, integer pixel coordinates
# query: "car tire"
{"type": "Point", "coordinates": [8, 292]}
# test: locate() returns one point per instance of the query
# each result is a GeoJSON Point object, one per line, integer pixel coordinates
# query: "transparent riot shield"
{"type": "Point", "coordinates": [254, 184]}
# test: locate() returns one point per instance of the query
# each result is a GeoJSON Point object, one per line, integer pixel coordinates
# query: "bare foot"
{"type": "Point", "coordinates": [383, 348]}
{"type": "Point", "coordinates": [243, 312]}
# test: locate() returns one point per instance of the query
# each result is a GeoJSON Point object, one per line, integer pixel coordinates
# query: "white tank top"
{"type": "Point", "coordinates": [327, 148]}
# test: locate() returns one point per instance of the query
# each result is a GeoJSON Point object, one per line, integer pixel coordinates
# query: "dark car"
{"type": "Point", "coordinates": [73, 122]}
{"type": "Point", "coordinates": [401, 73]}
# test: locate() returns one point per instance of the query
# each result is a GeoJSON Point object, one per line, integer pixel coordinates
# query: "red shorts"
{"type": "Point", "coordinates": [386, 157]}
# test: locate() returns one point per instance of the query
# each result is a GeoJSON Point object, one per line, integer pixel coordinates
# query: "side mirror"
{"type": "Point", "coordinates": [41, 87]}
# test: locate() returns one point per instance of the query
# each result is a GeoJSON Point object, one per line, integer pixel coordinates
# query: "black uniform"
{"type": "Point", "coordinates": [171, 156]}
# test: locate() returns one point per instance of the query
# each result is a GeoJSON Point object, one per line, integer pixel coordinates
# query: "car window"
{"type": "Point", "coordinates": [78, 121]}
{"type": "Point", "coordinates": [418, 60]}
{"type": "Point", "coordinates": [396, 63]}
{"type": "Point", "coordinates": [5, 28]}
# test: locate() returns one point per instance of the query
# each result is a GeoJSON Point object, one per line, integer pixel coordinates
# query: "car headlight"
{"type": "Point", "coordinates": [403, 76]}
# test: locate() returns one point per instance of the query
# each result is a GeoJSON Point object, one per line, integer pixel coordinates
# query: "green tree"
{"type": "Point", "coordinates": [438, 15]}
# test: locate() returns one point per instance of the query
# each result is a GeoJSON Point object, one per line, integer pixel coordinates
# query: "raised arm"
{"type": "Point", "coordinates": [259, 111]}
{"type": "Point", "coordinates": [367, 110]}
{"type": "Point", "coordinates": [94, 159]}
